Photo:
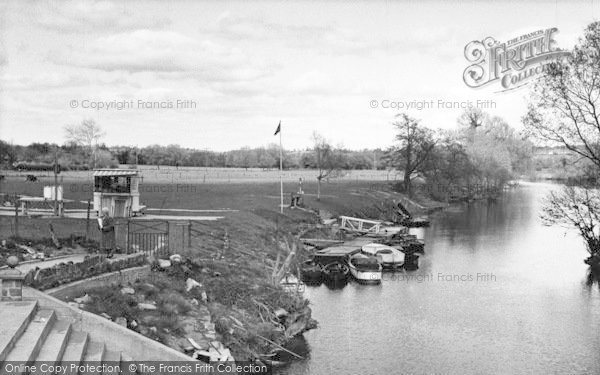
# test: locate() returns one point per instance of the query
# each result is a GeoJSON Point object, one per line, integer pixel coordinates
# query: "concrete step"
{"type": "Point", "coordinates": [94, 354]}
{"type": "Point", "coordinates": [111, 358]}
{"type": "Point", "coordinates": [125, 370]}
{"type": "Point", "coordinates": [56, 342]}
{"type": "Point", "coordinates": [76, 346]}
{"type": "Point", "coordinates": [14, 318]}
{"type": "Point", "coordinates": [29, 344]}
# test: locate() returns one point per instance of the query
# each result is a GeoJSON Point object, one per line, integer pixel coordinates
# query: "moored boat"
{"type": "Point", "coordinates": [365, 269]}
{"type": "Point", "coordinates": [389, 257]}
{"type": "Point", "coordinates": [336, 272]}
{"type": "Point", "coordinates": [394, 230]}
{"type": "Point", "coordinates": [409, 244]}
{"type": "Point", "coordinates": [411, 262]}
{"type": "Point", "coordinates": [291, 283]}
{"type": "Point", "coordinates": [311, 272]}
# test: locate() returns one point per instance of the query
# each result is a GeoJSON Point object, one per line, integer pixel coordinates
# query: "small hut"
{"type": "Point", "coordinates": [117, 189]}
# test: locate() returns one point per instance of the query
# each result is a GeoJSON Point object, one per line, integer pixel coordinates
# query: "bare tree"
{"type": "Point", "coordinates": [565, 109]}
{"type": "Point", "coordinates": [565, 102]}
{"type": "Point", "coordinates": [415, 145]}
{"type": "Point", "coordinates": [472, 117]}
{"type": "Point", "coordinates": [86, 134]}
{"type": "Point", "coordinates": [328, 163]}
{"type": "Point", "coordinates": [577, 207]}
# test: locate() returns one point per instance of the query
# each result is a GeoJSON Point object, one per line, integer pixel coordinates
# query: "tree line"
{"type": "Point", "coordinates": [81, 156]}
{"type": "Point", "coordinates": [481, 150]}
{"type": "Point", "coordinates": [564, 109]}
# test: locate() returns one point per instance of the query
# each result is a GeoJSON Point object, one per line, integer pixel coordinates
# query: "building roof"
{"type": "Point", "coordinates": [115, 172]}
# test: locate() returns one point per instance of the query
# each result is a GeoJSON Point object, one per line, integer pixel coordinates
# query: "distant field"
{"type": "Point", "coordinates": [154, 174]}
{"type": "Point", "coordinates": [350, 194]}
{"type": "Point", "coordinates": [200, 188]}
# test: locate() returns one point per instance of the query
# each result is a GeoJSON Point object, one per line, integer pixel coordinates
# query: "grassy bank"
{"type": "Point", "coordinates": [238, 259]}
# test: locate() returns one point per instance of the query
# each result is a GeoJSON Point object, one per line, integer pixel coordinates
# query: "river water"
{"type": "Point", "coordinates": [496, 292]}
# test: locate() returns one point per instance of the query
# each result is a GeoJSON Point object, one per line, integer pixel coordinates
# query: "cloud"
{"type": "Point", "coordinates": [167, 52]}
{"type": "Point", "coordinates": [46, 81]}
{"type": "Point", "coordinates": [89, 16]}
{"type": "Point", "coordinates": [330, 39]}
{"type": "Point", "coordinates": [239, 27]}
{"type": "Point", "coordinates": [245, 29]}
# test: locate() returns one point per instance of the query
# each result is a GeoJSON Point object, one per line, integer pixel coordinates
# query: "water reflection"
{"type": "Point", "coordinates": [540, 312]}
{"type": "Point", "coordinates": [593, 278]}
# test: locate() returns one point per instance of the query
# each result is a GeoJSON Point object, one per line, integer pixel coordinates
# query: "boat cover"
{"type": "Point", "coordinates": [365, 262]}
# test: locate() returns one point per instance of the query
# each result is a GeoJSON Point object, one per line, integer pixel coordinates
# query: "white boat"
{"type": "Point", "coordinates": [365, 269]}
{"type": "Point", "coordinates": [291, 283]}
{"type": "Point", "coordinates": [389, 257]}
{"type": "Point", "coordinates": [394, 230]}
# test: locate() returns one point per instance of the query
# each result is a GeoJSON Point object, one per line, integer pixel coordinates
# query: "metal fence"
{"type": "Point", "coordinates": [156, 237]}
{"type": "Point", "coordinates": [151, 237]}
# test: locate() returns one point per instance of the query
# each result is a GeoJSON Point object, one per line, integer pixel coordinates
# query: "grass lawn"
{"type": "Point", "coordinates": [243, 291]}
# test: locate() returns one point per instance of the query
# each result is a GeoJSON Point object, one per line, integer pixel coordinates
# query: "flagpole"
{"type": "Point", "coordinates": [280, 168]}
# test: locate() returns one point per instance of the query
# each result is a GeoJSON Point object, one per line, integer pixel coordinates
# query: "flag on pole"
{"type": "Point", "coordinates": [278, 128]}
{"type": "Point", "coordinates": [278, 131]}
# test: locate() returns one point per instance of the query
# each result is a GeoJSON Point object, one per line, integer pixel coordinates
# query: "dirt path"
{"type": "Point", "coordinates": [75, 258]}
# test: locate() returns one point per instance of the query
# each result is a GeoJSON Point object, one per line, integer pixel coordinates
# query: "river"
{"type": "Point", "coordinates": [496, 292]}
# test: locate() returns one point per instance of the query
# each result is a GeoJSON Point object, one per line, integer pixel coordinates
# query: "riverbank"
{"type": "Point", "coordinates": [240, 259]}
{"type": "Point", "coordinates": [494, 283]}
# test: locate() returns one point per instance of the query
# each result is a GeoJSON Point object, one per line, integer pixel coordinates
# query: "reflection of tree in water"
{"type": "Point", "coordinates": [593, 278]}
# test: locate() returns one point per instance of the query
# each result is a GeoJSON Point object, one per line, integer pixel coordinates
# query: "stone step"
{"type": "Point", "coordinates": [76, 346]}
{"type": "Point", "coordinates": [29, 344]}
{"type": "Point", "coordinates": [125, 370]}
{"type": "Point", "coordinates": [94, 354]}
{"type": "Point", "coordinates": [111, 358]}
{"type": "Point", "coordinates": [56, 342]}
{"type": "Point", "coordinates": [14, 318]}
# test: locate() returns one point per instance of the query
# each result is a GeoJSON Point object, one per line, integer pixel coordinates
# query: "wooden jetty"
{"type": "Point", "coordinates": [335, 254]}
{"type": "Point", "coordinates": [360, 241]}
{"type": "Point", "coordinates": [407, 219]}
{"type": "Point", "coordinates": [354, 224]}
{"type": "Point", "coordinates": [417, 223]}
{"type": "Point", "coordinates": [370, 227]}
{"type": "Point", "coordinates": [320, 243]}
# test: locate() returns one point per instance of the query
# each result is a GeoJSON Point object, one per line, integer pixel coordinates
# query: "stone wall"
{"type": "Point", "coordinates": [11, 284]}
{"type": "Point", "coordinates": [93, 265]}
{"type": "Point", "coordinates": [121, 277]}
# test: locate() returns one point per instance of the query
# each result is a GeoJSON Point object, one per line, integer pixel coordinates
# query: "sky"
{"type": "Point", "coordinates": [220, 75]}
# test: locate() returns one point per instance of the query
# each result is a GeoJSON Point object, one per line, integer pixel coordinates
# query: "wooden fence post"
{"type": "Point", "coordinates": [189, 234]}
{"type": "Point", "coordinates": [16, 220]}
{"type": "Point", "coordinates": [87, 223]}
{"type": "Point", "coordinates": [127, 238]}
{"type": "Point", "coordinates": [183, 238]}
{"type": "Point", "coordinates": [168, 239]}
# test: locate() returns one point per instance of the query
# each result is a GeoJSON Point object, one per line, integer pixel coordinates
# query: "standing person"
{"type": "Point", "coordinates": [300, 199]}
{"type": "Point", "coordinates": [106, 225]}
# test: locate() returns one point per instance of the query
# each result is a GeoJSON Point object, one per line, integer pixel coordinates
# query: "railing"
{"type": "Point", "coordinates": [355, 224]}
{"type": "Point", "coordinates": [148, 237]}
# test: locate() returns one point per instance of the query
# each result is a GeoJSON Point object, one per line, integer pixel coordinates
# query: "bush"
{"type": "Point", "coordinates": [173, 303]}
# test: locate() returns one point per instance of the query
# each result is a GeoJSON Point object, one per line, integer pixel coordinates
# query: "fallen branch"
{"type": "Point", "coordinates": [273, 343]}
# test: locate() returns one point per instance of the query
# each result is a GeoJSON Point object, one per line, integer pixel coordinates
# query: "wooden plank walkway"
{"type": "Point", "coordinates": [335, 254]}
